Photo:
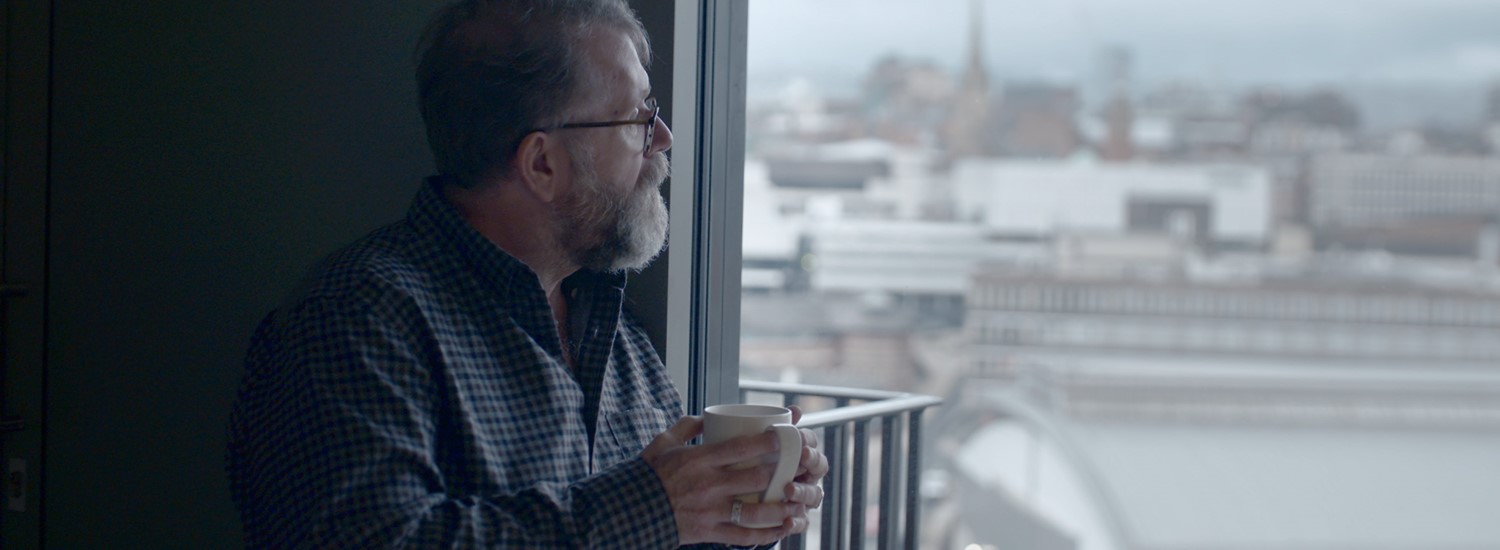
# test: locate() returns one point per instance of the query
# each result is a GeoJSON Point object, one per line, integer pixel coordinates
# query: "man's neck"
{"type": "Point", "coordinates": [519, 225]}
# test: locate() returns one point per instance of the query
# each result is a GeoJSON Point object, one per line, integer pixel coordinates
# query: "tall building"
{"type": "Point", "coordinates": [969, 113]}
{"type": "Point", "coordinates": [1202, 122]}
{"type": "Point", "coordinates": [1286, 130]}
{"type": "Point", "coordinates": [1417, 204]}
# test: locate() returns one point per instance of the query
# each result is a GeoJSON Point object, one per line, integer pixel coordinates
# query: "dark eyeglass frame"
{"type": "Point", "coordinates": [649, 123]}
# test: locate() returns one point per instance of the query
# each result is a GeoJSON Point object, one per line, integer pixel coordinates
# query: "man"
{"type": "Point", "coordinates": [467, 377]}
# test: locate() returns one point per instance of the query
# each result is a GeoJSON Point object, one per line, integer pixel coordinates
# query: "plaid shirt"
{"type": "Point", "coordinates": [413, 395]}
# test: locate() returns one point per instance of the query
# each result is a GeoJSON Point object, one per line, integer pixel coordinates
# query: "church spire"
{"type": "Point", "coordinates": [974, 74]}
{"type": "Point", "coordinates": [1118, 116]}
{"type": "Point", "coordinates": [969, 113]}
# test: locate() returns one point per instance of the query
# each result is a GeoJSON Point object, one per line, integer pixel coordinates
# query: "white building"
{"type": "Point", "coordinates": [907, 257]}
{"type": "Point", "coordinates": [1214, 204]}
{"type": "Point", "coordinates": [808, 210]}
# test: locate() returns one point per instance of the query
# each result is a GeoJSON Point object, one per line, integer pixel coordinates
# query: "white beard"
{"type": "Point", "coordinates": [611, 233]}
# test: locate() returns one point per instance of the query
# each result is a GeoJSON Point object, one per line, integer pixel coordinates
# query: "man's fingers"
{"type": "Point", "coordinates": [796, 414]}
{"type": "Point", "coordinates": [809, 439]}
{"type": "Point", "coordinates": [740, 449]}
{"type": "Point", "coordinates": [786, 517]}
{"type": "Point", "coordinates": [809, 495]}
{"type": "Point", "coordinates": [762, 513]}
{"type": "Point", "coordinates": [813, 466]}
{"type": "Point", "coordinates": [735, 535]}
{"type": "Point", "coordinates": [752, 480]}
{"type": "Point", "coordinates": [798, 525]}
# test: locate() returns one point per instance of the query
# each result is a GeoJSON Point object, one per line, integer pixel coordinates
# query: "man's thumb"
{"type": "Point", "coordinates": [685, 429]}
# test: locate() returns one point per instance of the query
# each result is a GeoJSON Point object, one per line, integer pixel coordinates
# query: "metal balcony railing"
{"type": "Point", "coordinates": [844, 415]}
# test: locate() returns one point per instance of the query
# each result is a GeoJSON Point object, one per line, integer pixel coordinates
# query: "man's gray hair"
{"type": "Point", "coordinates": [491, 71]}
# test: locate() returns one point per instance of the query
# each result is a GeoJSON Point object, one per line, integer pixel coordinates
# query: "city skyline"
{"type": "Point", "coordinates": [1303, 43]}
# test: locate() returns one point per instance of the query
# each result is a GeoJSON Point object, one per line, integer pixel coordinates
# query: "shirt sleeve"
{"type": "Point", "coordinates": [336, 449]}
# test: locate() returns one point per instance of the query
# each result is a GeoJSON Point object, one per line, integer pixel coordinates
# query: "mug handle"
{"type": "Point", "coordinates": [786, 463]}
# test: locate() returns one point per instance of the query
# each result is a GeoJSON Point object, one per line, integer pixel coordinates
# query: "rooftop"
{"type": "Point", "coordinates": [1226, 477]}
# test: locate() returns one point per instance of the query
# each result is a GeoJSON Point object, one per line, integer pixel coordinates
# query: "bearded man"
{"type": "Point", "coordinates": [467, 376]}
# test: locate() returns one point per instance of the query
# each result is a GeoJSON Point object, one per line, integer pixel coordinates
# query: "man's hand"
{"type": "Point", "coordinates": [807, 489]}
{"type": "Point", "coordinates": [702, 489]}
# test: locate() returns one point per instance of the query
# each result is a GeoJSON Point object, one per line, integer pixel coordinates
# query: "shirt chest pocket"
{"type": "Point", "coordinates": [629, 431]}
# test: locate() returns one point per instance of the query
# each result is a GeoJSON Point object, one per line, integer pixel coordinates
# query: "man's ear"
{"type": "Point", "coordinates": [539, 165]}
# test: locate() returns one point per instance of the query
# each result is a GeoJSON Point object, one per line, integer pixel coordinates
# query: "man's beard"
{"type": "Point", "coordinates": [609, 232]}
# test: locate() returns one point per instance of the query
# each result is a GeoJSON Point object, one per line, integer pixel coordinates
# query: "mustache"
{"type": "Point", "coordinates": [656, 170]}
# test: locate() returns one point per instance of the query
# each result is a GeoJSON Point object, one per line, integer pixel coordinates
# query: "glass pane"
{"type": "Point", "coordinates": [1189, 274]}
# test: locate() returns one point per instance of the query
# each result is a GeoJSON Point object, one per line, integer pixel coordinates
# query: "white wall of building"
{"type": "Point", "coordinates": [767, 233]}
{"type": "Point", "coordinates": [1042, 198]}
{"type": "Point", "coordinates": [907, 257]}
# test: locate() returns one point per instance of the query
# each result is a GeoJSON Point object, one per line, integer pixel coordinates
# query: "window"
{"type": "Point", "coordinates": [950, 175]}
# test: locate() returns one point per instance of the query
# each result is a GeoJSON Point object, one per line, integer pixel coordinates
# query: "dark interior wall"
{"type": "Point", "coordinates": [203, 154]}
{"type": "Point", "coordinates": [647, 291]}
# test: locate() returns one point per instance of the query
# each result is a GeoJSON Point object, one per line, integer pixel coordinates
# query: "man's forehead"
{"type": "Point", "coordinates": [613, 54]}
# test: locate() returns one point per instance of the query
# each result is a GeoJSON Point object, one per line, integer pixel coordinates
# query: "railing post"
{"type": "Point", "coordinates": [888, 480]}
{"type": "Point", "coordinates": [858, 483]}
{"type": "Point", "coordinates": [843, 508]}
{"type": "Point", "coordinates": [914, 479]}
{"type": "Point", "coordinates": [793, 542]}
{"type": "Point", "coordinates": [833, 489]}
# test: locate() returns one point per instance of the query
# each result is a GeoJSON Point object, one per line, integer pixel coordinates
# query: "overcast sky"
{"type": "Point", "coordinates": [1287, 42]}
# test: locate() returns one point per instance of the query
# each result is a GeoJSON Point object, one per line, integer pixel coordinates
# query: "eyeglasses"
{"type": "Point", "coordinates": [649, 123]}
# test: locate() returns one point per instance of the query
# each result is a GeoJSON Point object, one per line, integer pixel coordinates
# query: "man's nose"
{"type": "Point", "coordinates": [661, 138]}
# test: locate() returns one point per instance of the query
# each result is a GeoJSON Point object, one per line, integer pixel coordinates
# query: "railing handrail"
{"type": "Point", "coordinates": [820, 391]}
{"type": "Point", "coordinates": [881, 402]}
{"type": "Point", "coordinates": [865, 411]}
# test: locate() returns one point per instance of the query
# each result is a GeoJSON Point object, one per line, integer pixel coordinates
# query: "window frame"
{"type": "Point", "coordinates": [703, 278]}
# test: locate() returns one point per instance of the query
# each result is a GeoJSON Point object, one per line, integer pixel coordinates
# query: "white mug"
{"type": "Point", "coordinates": [725, 422]}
